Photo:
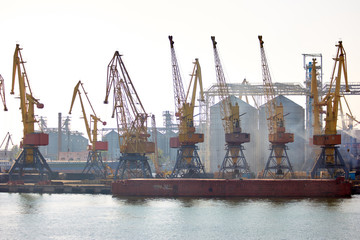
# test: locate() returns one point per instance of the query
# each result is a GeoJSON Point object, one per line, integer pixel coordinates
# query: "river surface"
{"type": "Point", "coordinates": [76, 216]}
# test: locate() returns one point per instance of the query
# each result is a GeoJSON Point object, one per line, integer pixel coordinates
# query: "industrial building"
{"type": "Point", "coordinates": [68, 141]}
{"type": "Point", "coordinates": [294, 122]}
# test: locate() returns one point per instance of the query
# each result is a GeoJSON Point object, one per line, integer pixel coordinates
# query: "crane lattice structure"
{"type": "Point", "coordinates": [330, 157]}
{"type": "Point", "coordinates": [234, 164]}
{"type": "Point", "coordinates": [30, 159]}
{"type": "Point", "coordinates": [188, 163]}
{"type": "Point", "coordinates": [94, 164]}
{"type": "Point", "coordinates": [131, 119]}
{"type": "Point", "coordinates": [278, 164]}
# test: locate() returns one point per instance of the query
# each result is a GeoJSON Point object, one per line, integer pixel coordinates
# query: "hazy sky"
{"type": "Point", "coordinates": [67, 41]}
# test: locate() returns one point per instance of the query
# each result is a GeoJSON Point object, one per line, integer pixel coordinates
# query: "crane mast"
{"type": "Point", "coordinates": [158, 172]}
{"type": "Point", "coordinates": [234, 163]}
{"type": "Point", "coordinates": [315, 96]}
{"type": "Point", "coordinates": [278, 164]}
{"type": "Point", "coordinates": [30, 157]}
{"type": "Point", "coordinates": [330, 157]}
{"type": "Point", "coordinates": [94, 164]}
{"type": "Point", "coordinates": [188, 163]}
{"type": "Point", "coordinates": [131, 119]}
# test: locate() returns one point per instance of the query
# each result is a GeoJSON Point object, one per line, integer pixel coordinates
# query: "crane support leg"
{"type": "Point", "coordinates": [37, 165]}
{"type": "Point", "coordinates": [339, 166]}
{"type": "Point", "coordinates": [278, 164]}
{"type": "Point", "coordinates": [188, 164]}
{"type": "Point", "coordinates": [95, 165]}
{"type": "Point", "coordinates": [234, 164]}
{"type": "Point", "coordinates": [133, 166]}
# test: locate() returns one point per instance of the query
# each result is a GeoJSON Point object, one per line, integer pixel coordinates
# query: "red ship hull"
{"type": "Point", "coordinates": [232, 188]}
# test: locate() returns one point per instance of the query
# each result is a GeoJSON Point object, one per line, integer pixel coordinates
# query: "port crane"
{"type": "Point", "coordinates": [188, 163]}
{"type": "Point", "coordinates": [2, 92]}
{"type": "Point", "coordinates": [30, 158]}
{"type": "Point", "coordinates": [7, 140]}
{"type": "Point", "coordinates": [234, 164]}
{"type": "Point", "coordinates": [316, 109]}
{"type": "Point", "coordinates": [94, 163]}
{"type": "Point", "coordinates": [158, 172]}
{"type": "Point", "coordinates": [330, 157]}
{"type": "Point", "coordinates": [278, 164]}
{"type": "Point", "coordinates": [131, 119]}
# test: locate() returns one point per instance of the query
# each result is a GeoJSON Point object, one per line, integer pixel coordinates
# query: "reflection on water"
{"type": "Point", "coordinates": [76, 216]}
{"type": "Point", "coordinates": [231, 202]}
{"type": "Point", "coordinates": [132, 200]}
{"type": "Point", "coordinates": [29, 203]}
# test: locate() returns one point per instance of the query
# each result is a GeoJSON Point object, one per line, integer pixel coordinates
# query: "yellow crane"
{"type": "Point", "coordinates": [234, 164]}
{"type": "Point", "coordinates": [131, 119]}
{"type": "Point", "coordinates": [315, 96]}
{"type": "Point", "coordinates": [188, 163]}
{"type": "Point", "coordinates": [316, 109]}
{"type": "Point", "coordinates": [30, 158]}
{"type": "Point", "coordinates": [94, 164]}
{"type": "Point", "coordinates": [330, 157]}
{"type": "Point", "coordinates": [158, 172]}
{"type": "Point", "coordinates": [278, 164]}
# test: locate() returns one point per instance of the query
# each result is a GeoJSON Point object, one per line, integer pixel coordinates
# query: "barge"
{"type": "Point", "coordinates": [294, 188]}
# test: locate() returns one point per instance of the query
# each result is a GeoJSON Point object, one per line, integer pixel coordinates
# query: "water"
{"type": "Point", "coordinates": [75, 216]}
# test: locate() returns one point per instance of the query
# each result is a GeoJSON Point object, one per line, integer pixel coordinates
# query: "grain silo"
{"type": "Point", "coordinates": [249, 124]}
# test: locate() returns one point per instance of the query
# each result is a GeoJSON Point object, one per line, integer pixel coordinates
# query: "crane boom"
{"type": "Point", "coordinates": [269, 91]}
{"type": "Point", "coordinates": [224, 95]}
{"type": "Point", "coordinates": [179, 93]}
{"type": "Point", "coordinates": [92, 134]}
{"type": "Point", "coordinates": [315, 97]}
{"type": "Point", "coordinates": [186, 112]}
{"type": "Point", "coordinates": [332, 98]}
